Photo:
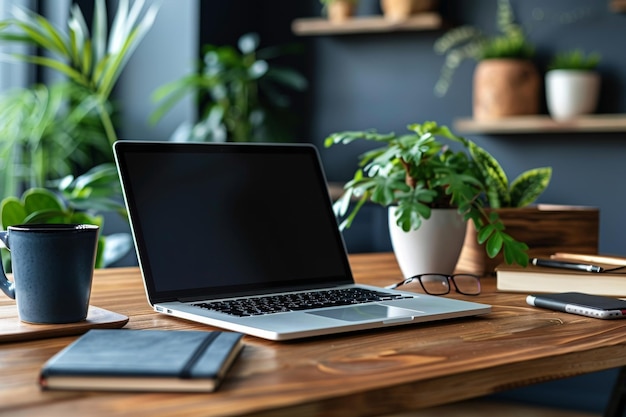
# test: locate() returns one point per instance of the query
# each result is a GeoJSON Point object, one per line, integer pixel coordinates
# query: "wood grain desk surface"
{"type": "Point", "coordinates": [366, 373]}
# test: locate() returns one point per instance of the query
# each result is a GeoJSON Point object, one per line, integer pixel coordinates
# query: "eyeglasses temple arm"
{"type": "Point", "coordinates": [397, 284]}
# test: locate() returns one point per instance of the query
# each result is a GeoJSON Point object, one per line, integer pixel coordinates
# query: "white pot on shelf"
{"type": "Point", "coordinates": [433, 248]}
{"type": "Point", "coordinates": [571, 93]}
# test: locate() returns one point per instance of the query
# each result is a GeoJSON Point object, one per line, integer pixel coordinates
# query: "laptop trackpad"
{"type": "Point", "coordinates": [366, 313]}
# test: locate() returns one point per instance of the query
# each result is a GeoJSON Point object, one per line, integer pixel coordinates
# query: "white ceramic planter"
{"type": "Point", "coordinates": [571, 93]}
{"type": "Point", "coordinates": [434, 247]}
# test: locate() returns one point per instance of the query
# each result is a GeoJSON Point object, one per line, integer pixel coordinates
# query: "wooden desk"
{"type": "Point", "coordinates": [367, 373]}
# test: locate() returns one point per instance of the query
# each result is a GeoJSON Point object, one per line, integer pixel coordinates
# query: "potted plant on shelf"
{"type": "Point", "coordinates": [422, 180]}
{"type": "Point", "coordinates": [403, 9]}
{"type": "Point", "coordinates": [506, 81]}
{"type": "Point", "coordinates": [338, 11]}
{"type": "Point", "coordinates": [572, 84]}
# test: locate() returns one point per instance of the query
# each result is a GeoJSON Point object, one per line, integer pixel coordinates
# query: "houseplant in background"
{"type": "Point", "coordinates": [53, 135]}
{"type": "Point", "coordinates": [92, 61]}
{"type": "Point", "coordinates": [43, 136]}
{"type": "Point", "coordinates": [572, 84]}
{"type": "Point", "coordinates": [403, 9]}
{"type": "Point", "coordinates": [506, 81]}
{"type": "Point", "coordinates": [417, 174]}
{"type": "Point", "coordinates": [338, 11]}
{"type": "Point", "coordinates": [242, 96]}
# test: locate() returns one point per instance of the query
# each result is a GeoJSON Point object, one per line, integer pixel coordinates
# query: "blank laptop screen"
{"type": "Point", "coordinates": [213, 220]}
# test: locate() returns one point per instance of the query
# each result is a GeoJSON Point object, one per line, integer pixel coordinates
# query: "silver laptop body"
{"type": "Point", "coordinates": [222, 221]}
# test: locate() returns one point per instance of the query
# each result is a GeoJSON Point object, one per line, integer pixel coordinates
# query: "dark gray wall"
{"type": "Point", "coordinates": [385, 81]}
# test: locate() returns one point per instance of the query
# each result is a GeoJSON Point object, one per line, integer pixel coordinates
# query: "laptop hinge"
{"type": "Point", "coordinates": [258, 293]}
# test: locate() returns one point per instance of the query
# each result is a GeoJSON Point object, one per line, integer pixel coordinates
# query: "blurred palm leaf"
{"type": "Point", "coordinates": [90, 61]}
{"type": "Point", "coordinates": [41, 137]}
{"type": "Point", "coordinates": [93, 62]}
{"type": "Point", "coordinates": [50, 132]}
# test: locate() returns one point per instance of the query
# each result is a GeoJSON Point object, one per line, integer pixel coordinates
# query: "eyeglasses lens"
{"type": "Point", "coordinates": [467, 284]}
{"type": "Point", "coordinates": [435, 284]}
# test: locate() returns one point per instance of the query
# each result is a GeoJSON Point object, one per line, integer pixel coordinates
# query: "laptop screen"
{"type": "Point", "coordinates": [213, 220]}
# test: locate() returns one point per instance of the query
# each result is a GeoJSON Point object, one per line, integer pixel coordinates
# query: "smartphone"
{"type": "Point", "coordinates": [596, 306]}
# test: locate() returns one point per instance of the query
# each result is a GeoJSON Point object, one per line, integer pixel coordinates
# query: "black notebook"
{"type": "Point", "coordinates": [143, 360]}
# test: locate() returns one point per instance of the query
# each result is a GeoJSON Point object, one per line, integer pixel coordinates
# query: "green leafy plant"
{"type": "Point", "coordinates": [468, 42]}
{"type": "Point", "coordinates": [76, 200]}
{"type": "Point", "coordinates": [41, 137]}
{"type": "Point", "coordinates": [325, 3]}
{"type": "Point", "coordinates": [92, 62]}
{"type": "Point", "coordinates": [575, 60]}
{"type": "Point", "coordinates": [50, 133]}
{"type": "Point", "coordinates": [501, 193]}
{"type": "Point", "coordinates": [241, 95]}
{"type": "Point", "coordinates": [418, 172]}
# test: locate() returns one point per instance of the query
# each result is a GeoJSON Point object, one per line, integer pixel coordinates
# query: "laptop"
{"type": "Point", "coordinates": [223, 228]}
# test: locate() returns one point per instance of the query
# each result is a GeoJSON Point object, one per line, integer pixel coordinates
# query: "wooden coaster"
{"type": "Point", "coordinates": [14, 330]}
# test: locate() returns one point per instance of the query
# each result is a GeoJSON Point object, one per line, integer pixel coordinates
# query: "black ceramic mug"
{"type": "Point", "coordinates": [52, 270]}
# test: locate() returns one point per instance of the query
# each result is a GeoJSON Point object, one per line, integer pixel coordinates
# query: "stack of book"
{"type": "Point", "coordinates": [610, 280]}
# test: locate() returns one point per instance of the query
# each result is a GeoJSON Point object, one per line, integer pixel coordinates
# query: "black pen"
{"type": "Point", "coordinates": [551, 263]}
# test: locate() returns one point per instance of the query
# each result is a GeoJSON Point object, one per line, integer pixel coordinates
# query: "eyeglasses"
{"type": "Point", "coordinates": [439, 284]}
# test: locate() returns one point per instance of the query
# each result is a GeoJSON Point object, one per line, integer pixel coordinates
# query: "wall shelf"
{"type": "Point", "coordinates": [544, 124]}
{"type": "Point", "coordinates": [366, 24]}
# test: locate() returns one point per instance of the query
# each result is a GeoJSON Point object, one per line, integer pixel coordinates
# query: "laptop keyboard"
{"type": "Point", "coordinates": [255, 306]}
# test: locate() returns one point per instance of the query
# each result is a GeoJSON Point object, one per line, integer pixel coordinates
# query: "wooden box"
{"type": "Point", "coordinates": [544, 228]}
